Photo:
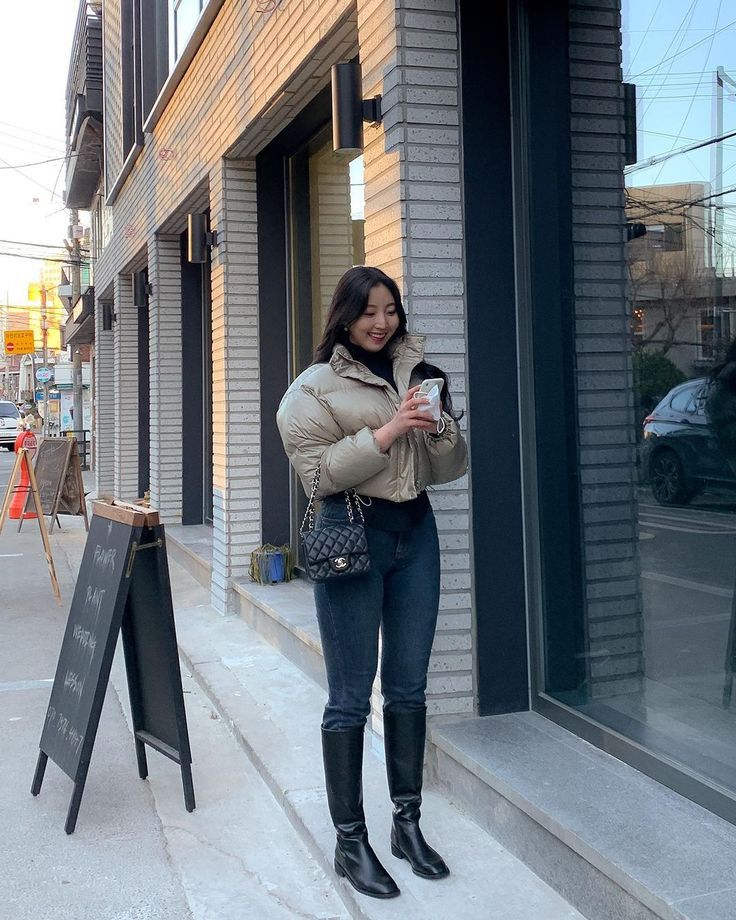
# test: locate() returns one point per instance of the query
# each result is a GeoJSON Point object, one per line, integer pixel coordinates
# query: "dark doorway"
{"type": "Point", "coordinates": [500, 595]}
{"type": "Point", "coordinates": [144, 383]}
{"type": "Point", "coordinates": [281, 230]}
{"type": "Point", "coordinates": [196, 317]}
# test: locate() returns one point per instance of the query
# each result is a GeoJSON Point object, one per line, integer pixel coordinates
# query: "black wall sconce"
{"type": "Point", "coordinates": [141, 288]}
{"type": "Point", "coordinates": [349, 109]}
{"type": "Point", "coordinates": [199, 237]}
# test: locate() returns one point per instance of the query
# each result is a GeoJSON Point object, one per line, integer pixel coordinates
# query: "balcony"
{"type": "Point", "coordinates": [84, 108]}
{"type": "Point", "coordinates": [80, 324]}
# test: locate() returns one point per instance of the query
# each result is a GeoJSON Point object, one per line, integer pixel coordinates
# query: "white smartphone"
{"type": "Point", "coordinates": [426, 385]}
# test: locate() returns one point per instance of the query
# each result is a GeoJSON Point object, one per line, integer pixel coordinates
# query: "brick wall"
{"type": "Point", "coordinates": [104, 417]}
{"type": "Point", "coordinates": [164, 276]}
{"type": "Point", "coordinates": [113, 121]}
{"type": "Point", "coordinates": [235, 375]}
{"type": "Point", "coordinates": [125, 380]}
{"type": "Point", "coordinates": [409, 54]}
{"type": "Point", "coordinates": [604, 377]}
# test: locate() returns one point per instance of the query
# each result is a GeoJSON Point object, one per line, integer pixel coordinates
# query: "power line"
{"type": "Point", "coordinates": [18, 255]}
{"type": "Point", "coordinates": [28, 178]}
{"type": "Point", "coordinates": [10, 124]}
{"type": "Point", "coordinates": [37, 163]}
{"type": "Point", "coordinates": [54, 246]}
{"type": "Point", "coordinates": [692, 101]}
{"type": "Point", "coordinates": [682, 28]}
{"type": "Point", "coordinates": [681, 51]}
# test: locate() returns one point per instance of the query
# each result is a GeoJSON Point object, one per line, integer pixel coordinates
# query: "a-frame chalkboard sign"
{"type": "Point", "coordinates": [123, 585]}
{"type": "Point", "coordinates": [58, 472]}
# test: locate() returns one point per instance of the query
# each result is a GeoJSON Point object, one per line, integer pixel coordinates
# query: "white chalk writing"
{"type": "Point", "coordinates": [74, 683]}
{"type": "Point", "coordinates": [104, 559]}
{"type": "Point", "coordinates": [93, 600]}
{"type": "Point", "coordinates": [86, 638]}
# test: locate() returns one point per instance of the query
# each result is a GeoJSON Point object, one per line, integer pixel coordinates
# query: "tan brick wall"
{"type": "Point", "coordinates": [244, 64]}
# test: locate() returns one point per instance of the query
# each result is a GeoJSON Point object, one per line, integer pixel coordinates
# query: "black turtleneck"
{"type": "Point", "coordinates": [382, 513]}
{"type": "Point", "coordinates": [377, 362]}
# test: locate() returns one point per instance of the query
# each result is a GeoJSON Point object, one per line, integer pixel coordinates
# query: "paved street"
{"type": "Point", "coordinates": [136, 853]}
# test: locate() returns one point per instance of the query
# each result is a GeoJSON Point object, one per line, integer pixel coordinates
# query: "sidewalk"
{"type": "Point", "coordinates": [273, 712]}
{"type": "Point", "coordinates": [136, 854]}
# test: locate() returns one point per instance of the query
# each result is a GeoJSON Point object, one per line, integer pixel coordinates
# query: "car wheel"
{"type": "Point", "coordinates": [668, 479]}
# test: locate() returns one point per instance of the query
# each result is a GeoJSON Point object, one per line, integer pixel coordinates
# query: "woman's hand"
{"type": "Point", "coordinates": [408, 415]}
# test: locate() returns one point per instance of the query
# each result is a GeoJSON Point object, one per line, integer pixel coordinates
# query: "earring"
{"type": "Point", "coordinates": [346, 328]}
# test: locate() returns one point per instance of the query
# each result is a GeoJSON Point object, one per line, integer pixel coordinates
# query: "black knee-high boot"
{"type": "Point", "coordinates": [354, 856]}
{"type": "Point", "coordinates": [404, 736]}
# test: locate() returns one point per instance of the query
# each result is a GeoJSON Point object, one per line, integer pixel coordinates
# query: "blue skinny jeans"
{"type": "Point", "coordinates": [400, 598]}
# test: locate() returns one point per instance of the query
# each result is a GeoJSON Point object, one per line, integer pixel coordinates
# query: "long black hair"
{"type": "Point", "coordinates": [350, 301]}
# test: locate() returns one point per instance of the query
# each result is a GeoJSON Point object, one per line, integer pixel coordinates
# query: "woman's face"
{"type": "Point", "coordinates": [375, 326]}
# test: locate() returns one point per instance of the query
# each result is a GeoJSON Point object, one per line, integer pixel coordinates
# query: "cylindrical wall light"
{"type": "Point", "coordinates": [198, 237]}
{"type": "Point", "coordinates": [141, 288]}
{"type": "Point", "coordinates": [349, 109]}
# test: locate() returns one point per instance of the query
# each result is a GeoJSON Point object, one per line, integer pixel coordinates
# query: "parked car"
{"type": "Point", "coordinates": [9, 416]}
{"type": "Point", "coordinates": [681, 455]}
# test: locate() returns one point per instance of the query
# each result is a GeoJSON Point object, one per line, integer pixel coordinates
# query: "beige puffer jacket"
{"type": "Point", "coordinates": [329, 413]}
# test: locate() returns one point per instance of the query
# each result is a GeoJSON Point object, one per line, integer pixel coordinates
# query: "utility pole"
{"type": "Point", "coordinates": [76, 280]}
{"type": "Point", "coordinates": [44, 335]}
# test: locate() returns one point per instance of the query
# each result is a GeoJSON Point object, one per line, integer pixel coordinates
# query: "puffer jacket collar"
{"type": "Point", "coordinates": [405, 354]}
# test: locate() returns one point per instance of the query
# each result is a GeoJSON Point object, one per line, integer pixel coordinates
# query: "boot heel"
{"type": "Point", "coordinates": [339, 870]}
{"type": "Point", "coordinates": [397, 852]}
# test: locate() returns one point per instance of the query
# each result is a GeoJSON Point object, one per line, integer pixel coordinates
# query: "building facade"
{"type": "Point", "coordinates": [493, 191]}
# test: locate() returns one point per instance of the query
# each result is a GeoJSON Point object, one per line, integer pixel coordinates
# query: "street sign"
{"type": "Point", "coordinates": [19, 342]}
{"type": "Point", "coordinates": [44, 374]}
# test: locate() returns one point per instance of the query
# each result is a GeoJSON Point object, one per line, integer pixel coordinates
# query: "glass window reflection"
{"type": "Point", "coordinates": [656, 652]}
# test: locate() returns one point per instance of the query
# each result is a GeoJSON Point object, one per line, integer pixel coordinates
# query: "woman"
{"type": "Point", "coordinates": [356, 414]}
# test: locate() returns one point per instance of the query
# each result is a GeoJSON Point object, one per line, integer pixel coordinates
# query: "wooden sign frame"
{"type": "Point", "coordinates": [72, 459]}
{"type": "Point", "coordinates": [146, 624]}
{"type": "Point", "coordinates": [22, 460]}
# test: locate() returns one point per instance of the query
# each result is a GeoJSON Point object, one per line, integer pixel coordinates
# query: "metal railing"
{"type": "Point", "coordinates": [83, 443]}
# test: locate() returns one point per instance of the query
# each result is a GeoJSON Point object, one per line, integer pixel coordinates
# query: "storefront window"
{"type": "Point", "coordinates": [327, 221]}
{"type": "Point", "coordinates": [651, 655]}
{"type": "Point", "coordinates": [326, 228]}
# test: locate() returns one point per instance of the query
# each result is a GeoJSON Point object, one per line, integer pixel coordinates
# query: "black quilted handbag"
{"type": "Point", "coordinates": [337, 550]}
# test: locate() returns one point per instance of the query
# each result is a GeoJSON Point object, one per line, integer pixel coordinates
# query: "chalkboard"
{"type": "Point", "coordinates": [89, 644]}
{"type": "Point", "coordinates": [123, 584]}
{"type": "Point", "coordinates": [59, 476]}
{"type": "Point", "coordinates": [50, 467]}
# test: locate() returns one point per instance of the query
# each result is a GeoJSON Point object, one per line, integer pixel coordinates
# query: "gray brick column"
{"type": "Point", "coordinates": [414, 231]}
{"type": "Point", "coordinates": [235, 375]}
{"type": "Point", "coordinates": [104, 406]}
{"type": "Point", "coordinates": [615, 632]}
{"type": "Point", "coordinates": [125, 379]}
{"type": "Point", "coordinates": [164, 276]}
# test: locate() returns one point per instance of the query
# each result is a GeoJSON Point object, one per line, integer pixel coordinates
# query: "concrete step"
{"type": "Point", "coordinates": [612, 841]}
{"type": "Point", "coordinates": [569, 811]}
{"type": "Point", "coordinates": [274, 711]}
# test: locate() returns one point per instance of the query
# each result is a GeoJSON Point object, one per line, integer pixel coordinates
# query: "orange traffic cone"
{"type": "Point", "coordinates": [28, 440]}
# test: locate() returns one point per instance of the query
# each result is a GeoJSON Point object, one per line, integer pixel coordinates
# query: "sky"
{"type": "Point", "coordinates": [671, 49]}
{"type": "Point", "coordinates": [35, 45]}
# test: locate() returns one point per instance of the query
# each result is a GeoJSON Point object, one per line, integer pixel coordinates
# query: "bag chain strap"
{"type": "Point", "coordinates": [350, 496]}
